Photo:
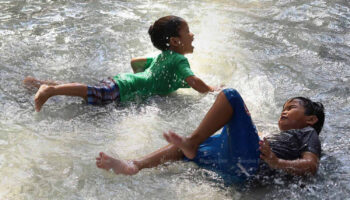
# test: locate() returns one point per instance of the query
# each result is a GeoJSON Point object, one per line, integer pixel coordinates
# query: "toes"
{"type": "Point", "coordinates": [37, 102]}
{"type": "Point", "coordinates": [174, 135]}
{"type": "Point", "coordinates": [37, 107]}
{"type": "Point", "coordinates": [103, 155]}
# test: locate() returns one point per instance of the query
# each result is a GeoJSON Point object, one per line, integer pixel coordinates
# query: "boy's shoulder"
{"type": "Point", "coordinates": [171, 60]}
{"type": "Point", "coordinates": [304, 139]}
{"type": "Point", "coordinates": [303, 132]}
{"type": "Point", "coordinates": [307, 136]}
{"type": "Point", "coordinates": [308, 129]}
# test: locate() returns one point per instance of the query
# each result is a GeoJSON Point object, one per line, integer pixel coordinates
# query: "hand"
{"type": "Point", "coordinates": [267, 155]}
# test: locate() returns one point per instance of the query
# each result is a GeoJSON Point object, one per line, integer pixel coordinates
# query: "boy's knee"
{"type": "Point", "coordinates": [233, 97]}
{"type": "Point", "coordinates": [221, 95]}
{"type": "Point", "coordinates": [231, 93]}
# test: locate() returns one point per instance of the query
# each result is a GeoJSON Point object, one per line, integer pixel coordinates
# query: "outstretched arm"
{"type": "Point", "coordinates": [138, 64]}
{"type": "Point", "coordinates": [199, 85]}
{"type": "Point", "coordinates": [306, 165]}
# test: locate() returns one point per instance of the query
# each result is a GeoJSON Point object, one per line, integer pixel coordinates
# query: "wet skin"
{"type": "Point", "coordinates": [293, 116]}
{"type": "Point", "coordinates": [183, 43]}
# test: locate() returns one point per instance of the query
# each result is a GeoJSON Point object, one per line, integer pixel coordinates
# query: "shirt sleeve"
{"type": "Point", "coordinates": [148, 63]}
{"type": "Point", "coordinates": [311, 143]}
{"type": "Point", "coordinates": [183, 69]}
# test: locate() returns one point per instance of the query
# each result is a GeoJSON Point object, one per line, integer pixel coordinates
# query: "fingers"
{"type": "Point", "coordinates": [264, 148]}
{"type": "Point", "coordinates": [174, 135]}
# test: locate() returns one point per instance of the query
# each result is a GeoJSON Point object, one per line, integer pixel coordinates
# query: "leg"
{"type": "Point", "coordinates": [69, 89]}
{"type": "Point", "coordinates": [167, 153]}
{"type": "Point", "coordinates": [218, 115]}
{"type": "Point", "coordinates": [33, 82]}
{"type": "Point", "coordinates": [235, 151]}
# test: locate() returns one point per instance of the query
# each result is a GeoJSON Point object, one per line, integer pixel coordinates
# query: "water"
{"type": "Point", "coordinates": [268, 50]}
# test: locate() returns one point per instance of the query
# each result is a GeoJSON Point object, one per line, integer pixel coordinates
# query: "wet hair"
{"type": "Point", "coordinates": [312, 108]}
{"type": "Point", "coordinates": [164, 28]}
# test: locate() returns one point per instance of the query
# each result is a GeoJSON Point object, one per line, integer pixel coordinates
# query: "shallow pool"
{"type": "Point", "coordinates": [269, 50]}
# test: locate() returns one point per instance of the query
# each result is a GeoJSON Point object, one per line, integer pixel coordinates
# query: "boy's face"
{"type": "Point", "coordinates": [185, 39]}
{"type": "Point", "coordinates": [292, 116]}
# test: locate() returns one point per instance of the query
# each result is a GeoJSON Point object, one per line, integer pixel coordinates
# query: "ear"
{"type": "Point", "coordinates": [174, 41]}
{"type": "Point", "coordinates": [311, 120]}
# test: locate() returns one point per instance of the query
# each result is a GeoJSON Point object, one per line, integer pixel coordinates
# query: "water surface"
{"type": "Point", "coordinates": [269, 50]}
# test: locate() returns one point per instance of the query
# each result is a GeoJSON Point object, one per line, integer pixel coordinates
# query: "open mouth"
{"type": "Point", "coordinates": [283, 117]}
{"type": "Point", "coordinates": [193, 43]}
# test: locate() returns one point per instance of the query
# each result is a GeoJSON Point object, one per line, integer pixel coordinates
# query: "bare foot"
{"type": "Point", "coordinates": [118, 166]}
{"type": "Point", "coordinates": [31, 82]}
{"type": "Point", "coordinates": [41, 96]}
{"type": "Point", "coordinates": [183, 143]}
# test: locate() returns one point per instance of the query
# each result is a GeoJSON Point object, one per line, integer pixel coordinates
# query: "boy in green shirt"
{"type": "Point", "coordinates": [161, 75]}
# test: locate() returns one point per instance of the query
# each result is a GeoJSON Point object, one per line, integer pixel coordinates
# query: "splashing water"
{"type": "Point", "coordinates": [268, 50]}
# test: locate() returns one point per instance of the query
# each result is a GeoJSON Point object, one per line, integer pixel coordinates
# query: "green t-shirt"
{"type": "Point", "coordinates": [162, 75]}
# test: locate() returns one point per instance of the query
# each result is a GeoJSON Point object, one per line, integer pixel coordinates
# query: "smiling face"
{"type": "Point", "coordinates": [293, 116]}
{"type": "Point", "coordinates": [183, 43]}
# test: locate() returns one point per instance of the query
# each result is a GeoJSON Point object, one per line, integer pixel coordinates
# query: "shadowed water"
{"type": "Point", "coordinates": [268, 50]}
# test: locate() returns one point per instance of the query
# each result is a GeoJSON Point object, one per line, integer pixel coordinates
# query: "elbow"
{"type": "Point", "coordinates": [132, 62]}
{"type": "Point", "coordinates": [313, 167]}
{"type": "Point", "coordinates": [133, 66]}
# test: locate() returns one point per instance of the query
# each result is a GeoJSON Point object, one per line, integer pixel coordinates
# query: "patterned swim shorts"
{"type": "Point", "coordinates": [106, 92]}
